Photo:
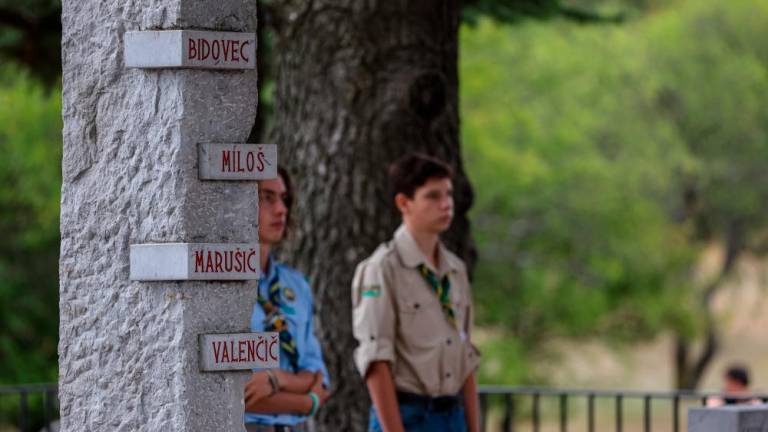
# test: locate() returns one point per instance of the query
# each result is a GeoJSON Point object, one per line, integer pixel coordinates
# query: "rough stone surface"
{"type": "Point", "coordinates": [734, 418]}
{"type": "Point", "coordinates": [128, 351]}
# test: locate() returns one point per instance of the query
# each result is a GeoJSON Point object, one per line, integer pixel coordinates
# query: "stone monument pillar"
{"type": "Point", "coordinates": [129, 353]}
{"type": "Point", "coordinates": [730, 418]}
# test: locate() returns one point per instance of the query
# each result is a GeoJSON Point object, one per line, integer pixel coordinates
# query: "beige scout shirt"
{"type": "Point", "coordinates": [398, 318]}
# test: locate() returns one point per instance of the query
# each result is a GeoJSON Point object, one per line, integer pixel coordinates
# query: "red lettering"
{"type": "Point", "coordinates": [262, 160]}
{"type": "Point", "coordinates": [251, 350]}
{"type": "Point", "coordinates": [239, 162]}
{"type": "Point", "coordinates": [217, 254]}
{"type": "Point", "coordinates": [216, 351]}
{"type": "Point", "coordinates": [249, 162]}
{"type": "Point", "coordinates": [225, 47]}
{"type": "Point", "coordinates": [215, 49]}
{"type": "Point", "coordinates": [225, 353]}
{"type": "Point", "coordinates": [205, 49]}
{"type": "Point", "coordinates": [273, 349]}
{"type": "Point", "coordinates": [209, 263]}
{"type": "Point", "coordinates": [261, 349]}
{"type": "Point", "coordinates": [251, 255]}
{"type": "Point", "coordinates": [198, 261]}
{"type": "Point", "coordinates": [191, 49]}
{"type": "Point", "coordinates": [228, 262]}
{"type": "Point", "coordinates": [242, 50]}
{"type": "Point", "coordinates": [235, 47]}
{"type": "Point", "coordinates": [241, 346]}
{"type": "Point", "coordinates": [238, 260]}
{"type": "Point", "coordinates": [226, 164]}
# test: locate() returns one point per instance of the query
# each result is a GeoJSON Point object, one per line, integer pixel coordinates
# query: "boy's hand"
{"type": "Point", "coordinates": [319, 389]}
{"type": "Point", "coordinates": [257, 388]}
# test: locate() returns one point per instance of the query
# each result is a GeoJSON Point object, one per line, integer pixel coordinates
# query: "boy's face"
{"type": "Point", "coordinates": [732, 385]}
{"type": "Point", "coordinates": [272, 211]}
{"type": "Point", "coordinates": [431, 208]}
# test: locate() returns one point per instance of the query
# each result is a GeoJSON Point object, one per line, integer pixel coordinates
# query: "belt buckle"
{"type": "Point", "coordinates": [445, 403]}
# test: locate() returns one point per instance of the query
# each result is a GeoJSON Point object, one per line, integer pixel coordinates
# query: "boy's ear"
{"type": "Point", "coordinates": [401, 202]}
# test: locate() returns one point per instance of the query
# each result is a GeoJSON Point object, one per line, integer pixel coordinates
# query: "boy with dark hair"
{"type": "Point", "coordinates": [283, 399]}
{"type": "Point", "coordinates": [735, 388]}
{"type": "Point", "coordinates": [412, 312]}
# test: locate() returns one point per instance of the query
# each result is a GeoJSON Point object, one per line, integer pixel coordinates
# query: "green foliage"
{"type": "Point", "coordinates": [582, 143]}
{"type": "Point", "coordinates": [580, 11]}
{"type": "Point", "coordinates": [30, 179]}
{"type": "Point", "coordinates": [716, 79]}
{"type": "Point", "coordinates": [30, 35]}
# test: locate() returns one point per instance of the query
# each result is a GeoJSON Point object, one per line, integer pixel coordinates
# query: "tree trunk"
{"type": "Point", "coordinates": [359, 84]}
{"type": "Point", "coordinates": [690, 368]}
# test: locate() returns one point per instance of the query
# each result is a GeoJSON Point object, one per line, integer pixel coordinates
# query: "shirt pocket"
{"type": "Point", "coordinates": [418, 326]}
{"type": "Point", "coordinates": [297, 322]}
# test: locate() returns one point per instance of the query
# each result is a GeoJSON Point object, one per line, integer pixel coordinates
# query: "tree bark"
{"type": "Point", "coordinates": [690, 368]}
{"type": "Point", "coordinates": [359, 84]}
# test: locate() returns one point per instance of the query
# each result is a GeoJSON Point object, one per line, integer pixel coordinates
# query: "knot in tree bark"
{"type": "Point", "coordinates": [427, 95]}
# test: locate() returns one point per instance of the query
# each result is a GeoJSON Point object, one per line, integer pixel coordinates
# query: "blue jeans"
{"type": "Point", "coordinates": [417, 418]}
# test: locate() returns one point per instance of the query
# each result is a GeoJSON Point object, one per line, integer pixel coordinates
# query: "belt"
{"type": "Point", "coordinates": [435, 404]}
{"type": "Point", "coordinates": [255, 427]}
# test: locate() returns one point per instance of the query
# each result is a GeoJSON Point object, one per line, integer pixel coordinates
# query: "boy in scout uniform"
{"type": "Point", "coordinates": [285, 398]}
{"type": "Point", "coordinates": [412, 313]}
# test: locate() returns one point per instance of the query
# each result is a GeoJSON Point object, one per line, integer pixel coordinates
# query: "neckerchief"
{"type": "Point", "coordinates": [442, 288]}
{"type": "Point", "coordinates": [274, 320]}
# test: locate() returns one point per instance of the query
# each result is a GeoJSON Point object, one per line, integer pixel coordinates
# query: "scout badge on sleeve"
{"type": "Point", "coordinates": [371, 291]}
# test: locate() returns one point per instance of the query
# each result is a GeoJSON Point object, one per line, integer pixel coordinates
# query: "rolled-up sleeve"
{"type": "Point", "coordinates": [373, 316]}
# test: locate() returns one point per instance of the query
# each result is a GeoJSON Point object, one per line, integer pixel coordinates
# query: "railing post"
{"type": "Point", "coordinates": [23, 411]}
{"type": "Point", "coordinates": [647, 413]}
{"type": "Point", "coordinates": [483, 410]}
{"type": "Point", "coordinates": [51, 401]}
{"type": "Point", "coordinates": [676, 414]}
{"type": "Point", "coordinates": [619, 413]}
{"type": "Point", "coordinates": [46, 412]}
{"type": "Point", "coordinates": [535, 412]}
{"type": "Point", "coordinates": [591, 413]}
{"type": "Point", "coordinates": [563, 412]}
{"type": "Point", "coordinates": [508, 425]}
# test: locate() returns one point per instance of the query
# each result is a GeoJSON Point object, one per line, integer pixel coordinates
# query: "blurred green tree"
{"type": "Point", "coordinates": [30, 35]}
{"type": "Point", "coordinates": [608, 158]}
{"type": "Point", "coordinates": [30, 128]}
{"type": "Point", "coordinates": [714, 68]}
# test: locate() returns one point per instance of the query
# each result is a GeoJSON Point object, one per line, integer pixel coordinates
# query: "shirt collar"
{"type": "Point", "coordinates": [271, 274]}
{"type": "Point", "coordinates": [411, 255]}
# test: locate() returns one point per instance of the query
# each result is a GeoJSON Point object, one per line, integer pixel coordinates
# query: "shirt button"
{"type": "Point", "coordinates": [373, 337]}
{"type": "Point", "coordinates": [448, 375]}
{"type": "Point", "coordinates": [416, 305]}
{"type": "Point", "coordinates": [448, 341]}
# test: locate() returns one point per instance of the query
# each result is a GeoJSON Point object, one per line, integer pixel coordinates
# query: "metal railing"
{"type": "Point", "coordinates": [31, 407]}
{"type": "Point", "coordinates": [518, 409]}
{"type": "Point", "coordinates": [508, 399]}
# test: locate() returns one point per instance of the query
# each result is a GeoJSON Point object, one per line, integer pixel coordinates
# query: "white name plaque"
{"type": "Point", "coordinates": [190, 49]}
{"type": "Point", "coordinates": [194, 261]}
{"type": "Point", "coordinates": [239, 351]}
{"type": "Point", "coordinates": [237, 161]}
